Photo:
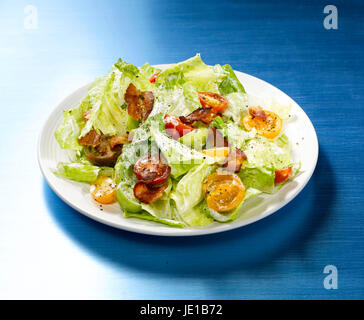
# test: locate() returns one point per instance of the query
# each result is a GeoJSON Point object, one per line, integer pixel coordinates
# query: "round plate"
{"type": "Point", "coordinates": [299, 129]}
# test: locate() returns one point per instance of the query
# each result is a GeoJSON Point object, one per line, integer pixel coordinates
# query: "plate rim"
{"type": "Point", "coordinates": [177, 232]}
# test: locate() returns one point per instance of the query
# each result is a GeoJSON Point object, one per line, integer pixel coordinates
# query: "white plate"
{"type": "Point", "coordinates": [299, 129]}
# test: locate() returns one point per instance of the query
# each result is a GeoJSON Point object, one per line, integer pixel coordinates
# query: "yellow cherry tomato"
{"type": "Point", "coordinates": [270, 127]}
{"type": "Point", "coordinates": [223, 191]}
{"type": "Point", "coordinates": [103, 190]}
{"type": "Point", "coordinates": [216, 152]}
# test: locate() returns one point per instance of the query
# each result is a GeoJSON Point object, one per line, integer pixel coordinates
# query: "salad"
{"type": "Point", "coordinates": [185, 146]}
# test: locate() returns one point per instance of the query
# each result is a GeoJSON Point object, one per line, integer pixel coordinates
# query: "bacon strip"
{"type": "Point", "coordinates": [90, 139]}
{"type": "Point", "coordinates": [140, 104]}
{"type": "Point", "coordinates": [117, 141]}
{"type": "Point", "coordinates": [102, 150]}
{"type": "Point", "coordinates": [258, 112]}
{"type": "Point", "coordinates": [148, 194]}
{"type": "Point", "coordinates": [206, 115]}
{"type": "Point", "coordinates": [234, 160]}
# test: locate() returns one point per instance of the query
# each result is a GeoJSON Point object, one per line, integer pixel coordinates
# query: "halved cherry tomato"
{"type": "Point", "coordinates": [175, 127]}
{"type": "Point", "coordinates": [223, 192]}
{"type": "Point", "coordinates": [148, 194]}
{"type": "Point", "coordinates": [103, 190]}
{"type": "Point", "coordinates": [213, 100]}
{"type": "Point", "coordinates": [154, 77]}
{"type": "Point", "coordinates": [152, 169]}
{"type": "Point", "coordinates": [217, 152]}
{"type": "Point", "coordinates": [282, 175]}
{"type": "Point", "coordinates": [268, 126]}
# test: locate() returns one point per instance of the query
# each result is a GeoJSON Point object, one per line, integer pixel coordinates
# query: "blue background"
{"type": "Point", "coordinates": [48, 250]}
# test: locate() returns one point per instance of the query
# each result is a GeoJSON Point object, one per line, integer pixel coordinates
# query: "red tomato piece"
{"type": "Point", "coordinates": [152, 169]}
{"type": "Point", "coordinates": [213, 100]}
{"type": "Point", "coordinates": [154, 77]}
{"type": "Point", "coordinates": [282, 175]}
{"type": "Point", "coordinates": [175, 127]}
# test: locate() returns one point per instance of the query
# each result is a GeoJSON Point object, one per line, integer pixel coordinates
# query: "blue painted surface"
{"type": "Point", "coordinates": [48, 250]}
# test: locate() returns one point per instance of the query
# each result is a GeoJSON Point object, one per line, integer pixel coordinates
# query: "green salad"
{"type": "Point", "coordinates": [180, 146]}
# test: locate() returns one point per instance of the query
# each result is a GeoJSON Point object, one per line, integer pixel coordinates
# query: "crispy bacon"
{"type": "Point", "coordinates": [90, 139]}
{"type": "Point", "coordinates": [117, 141]}
{"type": "Point", "coordinates": [206, 115]}
{"type": "Point", "coordinates": [140, 104]}
{"type": "Point", "coordinates": [258, 112]}
{"type": "Point", "coordinates": [234, 160]}
{"type": "Point", "coordinates": [102, 150]}
{"type": "Point", "coordinates": [148, 194]}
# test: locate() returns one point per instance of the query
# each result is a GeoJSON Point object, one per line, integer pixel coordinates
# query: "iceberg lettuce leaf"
{"type": "Point", "coordinates": [146, 70]}
{"type": "Point", "coordinates": [105, 99]}
{"type": "Point", "coordinates": [260, 178]}
{"type": "Point", "coordinates": [197, 216]}
{"type": "Point", "coordinates": [236, 136]}
{"type": "Point", "coordinates": [237, 106]}
{"type": "Point", "coordinates": [230, 82]}
{"type": "Point", "coordinates": [262, 152]}
{"type": "Point", "coordinates": [78, 171]}
{"type": "Point", "coordinates": [188, 191]}
{"type": "Point", "coordinates": [180, 157]}
{"type": "Point", "coordinates": [146, 216]}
